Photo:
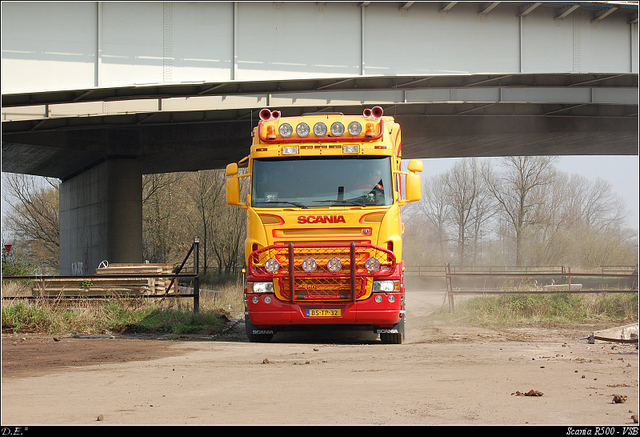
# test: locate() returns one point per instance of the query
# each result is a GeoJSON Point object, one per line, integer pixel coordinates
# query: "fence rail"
{"type": "Point", "coordinates": [439, 270]}
{"type": "Point", "coordinates": [195, 276]}
{"type": "Point", "coordinates": [567, 288]}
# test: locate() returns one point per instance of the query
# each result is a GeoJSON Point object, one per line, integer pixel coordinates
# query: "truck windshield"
{"type": "Point", "coordinates": [321, 182]}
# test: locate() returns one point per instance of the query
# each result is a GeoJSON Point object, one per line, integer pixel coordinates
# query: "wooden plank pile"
{"type": "Point", "coordinates": [156, 285]}
{"type": "Point", "coordinates": [562, 287]}
{"type": "Point", "coordinates": [109, 286]}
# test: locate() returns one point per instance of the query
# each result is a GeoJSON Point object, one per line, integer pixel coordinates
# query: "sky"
{"type": "Point", "coordinates": [620, 171]}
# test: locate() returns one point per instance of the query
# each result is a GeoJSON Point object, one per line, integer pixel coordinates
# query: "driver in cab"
{"type": "Point", "coordinates": [373, 182]}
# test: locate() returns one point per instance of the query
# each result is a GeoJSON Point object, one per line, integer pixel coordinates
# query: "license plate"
{"type": "Point", "coordinates": [324, 313]}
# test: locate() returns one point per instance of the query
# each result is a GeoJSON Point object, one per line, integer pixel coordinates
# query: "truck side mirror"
{"type": "Point", "coordinates": [232, 169]}
{"type": "Point", "coordinates": [233, 190]}
{"type": "Point", "coordinates": [233, 185]}
{"type": "Point", "coordinates": [415, 165]}
{"type": "Point", "coordinates": [413, 185]}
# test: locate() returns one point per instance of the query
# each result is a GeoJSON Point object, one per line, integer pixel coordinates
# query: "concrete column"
{"type": "Point", "coordinates": [101, 217]}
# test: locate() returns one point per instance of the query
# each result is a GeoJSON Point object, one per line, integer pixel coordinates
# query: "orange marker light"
{"type": "Point", "coordinates": [271, 132]}
{"type": "Point", "coordinates": [369, 130]}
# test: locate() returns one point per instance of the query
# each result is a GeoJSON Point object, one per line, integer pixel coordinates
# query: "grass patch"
{"type": "Point", "coordinates": [546, 310]}
{"type": "Point", "coordinates": [119, 316]}
{"type": "Point", "coordinates": [172, 321]}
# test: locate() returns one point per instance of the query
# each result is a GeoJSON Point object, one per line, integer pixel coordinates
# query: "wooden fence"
{"type": "Point", "coordinates": [536, 288]}
{"type": "Point", "coordinates": [123, 281]}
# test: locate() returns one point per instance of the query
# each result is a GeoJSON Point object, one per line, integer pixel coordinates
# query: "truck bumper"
{"type": "Point", "coordinates": [265, 310]}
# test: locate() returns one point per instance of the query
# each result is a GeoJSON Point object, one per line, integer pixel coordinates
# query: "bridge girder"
{"type": "Point", "coordinates": [176, 128]}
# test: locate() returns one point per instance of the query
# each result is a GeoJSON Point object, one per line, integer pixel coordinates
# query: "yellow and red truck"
{"type": "Point", "coordinates": [324, 224]}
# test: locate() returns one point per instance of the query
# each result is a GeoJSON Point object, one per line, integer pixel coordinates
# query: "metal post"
{"type": "Point", "coordinates": [447, 270]}
{"type": "Point", "coordinates": [291, 278]}
{"type": "Point", "coordinates": [178, 271]}
{"type": "Point", "coordinates": [196, 271]}
{"type": "Point", "coordinates": [353, 272]}
{"type": "Point", "coordinates": [42, 287]}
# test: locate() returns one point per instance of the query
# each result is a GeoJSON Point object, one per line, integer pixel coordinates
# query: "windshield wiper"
{"type": "Point", "coordinates": [299, 205]}
{"type": "Point", "coordinates": [348, 202]}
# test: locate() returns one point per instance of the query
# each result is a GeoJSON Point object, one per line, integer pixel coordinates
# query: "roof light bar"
{"type": "Point", "coordinates": [337, 131]}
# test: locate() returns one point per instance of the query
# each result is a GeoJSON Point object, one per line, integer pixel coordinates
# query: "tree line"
{"type": "Point", "coordinates": [517, 211]}
{"type": "Point", "coordinates": [176, 207]}
{"type": "Point", "coordinates": [513, 211]}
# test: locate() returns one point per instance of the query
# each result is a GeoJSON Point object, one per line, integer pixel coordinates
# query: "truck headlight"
{"type": "Point", "coordinates": [386, 286]}
{"type": "Point", "coordinates": [260, 287]}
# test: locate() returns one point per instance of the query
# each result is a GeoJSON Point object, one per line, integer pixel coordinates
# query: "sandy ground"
{"type": "Point", "coordinates": [444, 374]}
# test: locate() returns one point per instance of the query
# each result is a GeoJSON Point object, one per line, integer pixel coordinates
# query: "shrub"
{"type": "Point", "coordinates": [551, 308]}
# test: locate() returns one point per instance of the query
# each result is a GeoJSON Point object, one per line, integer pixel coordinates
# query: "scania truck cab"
{"type": "Point", "coordinates": [324, 223]}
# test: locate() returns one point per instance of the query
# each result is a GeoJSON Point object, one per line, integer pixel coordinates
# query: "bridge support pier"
{"type": "Point", "coordinates": [101, 217]}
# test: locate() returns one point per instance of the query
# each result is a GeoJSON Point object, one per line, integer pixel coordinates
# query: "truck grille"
{"type": "Point", "coordinates": [351, 282]}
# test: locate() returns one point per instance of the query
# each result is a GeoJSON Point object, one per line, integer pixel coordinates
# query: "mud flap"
{"type": "Point", "coordinates": [257, 333]}
{"type": "Point", "coordinates": [393, 335]}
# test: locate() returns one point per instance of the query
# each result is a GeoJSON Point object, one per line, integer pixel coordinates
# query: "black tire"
{"type": "Point", "coordinates": [254, 337]}
{"type": "Point", "coordinates": [394, 338]}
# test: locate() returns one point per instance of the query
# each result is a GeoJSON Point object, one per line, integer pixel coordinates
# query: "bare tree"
{"type": "Point", "coordinates": [230, 230]}
{"type": "Point", "coordinates": [205, 188]}
{"type": "Point", "coordinates": [434, 206]}
{"type": "Point", "coordinates": [33, 215]}
{"type": "Point", "coordinates": [152, 184]}
{"type": "Point", "coordinates": [590, 225]}
{"type": "Point", "coordinates": [484, 210]}
{"type": "Point", "coordinates": [602, 247]}
{"type": "Point", "coordinates": [519, 189]}
{"type": "Point", "coordinates": [421, 245]}
{"type": "Point", "coordinates": [469, 204]}
{"type": "Point", "coordinates": [547, 242]}
{"type": "Point", "coordinates": [165, 238]}
{"type": "Point", "coordinates": [602, 208]}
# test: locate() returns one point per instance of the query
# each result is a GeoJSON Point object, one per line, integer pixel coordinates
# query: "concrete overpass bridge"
{"type": "Point", "coordinates": [98, 94]}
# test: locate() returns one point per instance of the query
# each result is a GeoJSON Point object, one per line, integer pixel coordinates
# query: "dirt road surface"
{"type": "Point", "coordinates": [444, 374]}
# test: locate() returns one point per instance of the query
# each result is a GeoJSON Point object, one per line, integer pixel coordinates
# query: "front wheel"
{"type": "Point", "coordinates": [395, 335]}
